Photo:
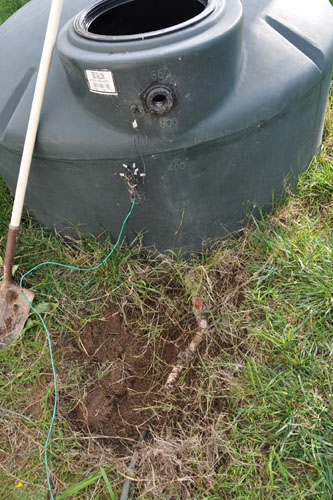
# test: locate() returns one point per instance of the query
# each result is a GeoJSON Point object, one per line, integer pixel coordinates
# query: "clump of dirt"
{"type": "Point", "coordinates": [124, 380]}
{"type": "Point", "coordinates": [7, 327]}
{"type": "Point", "coordinates": [11, 296]}
{"type": "Point", "coordinates": [8, 322]}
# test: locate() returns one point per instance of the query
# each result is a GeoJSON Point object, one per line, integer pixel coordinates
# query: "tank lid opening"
{"type": "Point", "coordinates": [117, 20]}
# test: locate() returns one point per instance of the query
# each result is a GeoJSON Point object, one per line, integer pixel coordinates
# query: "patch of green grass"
{"type": "Point", "coordinates": [8, 7]}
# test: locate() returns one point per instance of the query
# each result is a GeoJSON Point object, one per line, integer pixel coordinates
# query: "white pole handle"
{"type": "Point", "coordinates": [30, 139]}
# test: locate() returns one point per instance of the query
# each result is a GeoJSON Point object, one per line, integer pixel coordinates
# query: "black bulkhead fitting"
{"type": "Point", "coordinates": [159, 98]}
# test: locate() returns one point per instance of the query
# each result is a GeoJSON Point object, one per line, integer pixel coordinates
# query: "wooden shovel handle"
{"type": "Point", "coordinates": [9, 255]}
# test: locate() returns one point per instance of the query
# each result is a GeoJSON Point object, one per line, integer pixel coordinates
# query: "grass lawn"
{"type": "Point", "coordinates": [250, 419]}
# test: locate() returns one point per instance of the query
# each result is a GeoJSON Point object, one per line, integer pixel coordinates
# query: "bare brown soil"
{"type": "Point", "coordinates": [124, 382]}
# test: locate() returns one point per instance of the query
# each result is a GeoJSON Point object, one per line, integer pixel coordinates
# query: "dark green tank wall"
{"type": "Point", "coordinates": [248, 84]}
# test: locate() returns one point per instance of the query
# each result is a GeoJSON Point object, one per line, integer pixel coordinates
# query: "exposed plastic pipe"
{"type": "Point", "coordinates": [127, 483]}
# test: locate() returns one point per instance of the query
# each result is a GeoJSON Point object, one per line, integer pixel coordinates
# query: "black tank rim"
{"type": "Point", "coordinates": [88, 15]}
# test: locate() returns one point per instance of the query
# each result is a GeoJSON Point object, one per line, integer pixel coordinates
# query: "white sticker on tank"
{"type": "Point", "coordinates": [101, 82]}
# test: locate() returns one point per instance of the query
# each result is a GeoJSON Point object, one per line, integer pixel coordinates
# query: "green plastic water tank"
{"type": "Point", "coordinates": [201, 107]}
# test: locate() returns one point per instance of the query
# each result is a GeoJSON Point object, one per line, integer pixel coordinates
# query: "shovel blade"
{"type": "Point", "coordinates": [14, 311]}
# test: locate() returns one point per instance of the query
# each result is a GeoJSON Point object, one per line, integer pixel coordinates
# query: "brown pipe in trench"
{"type": "Point", "coordinates": [185, 357]}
